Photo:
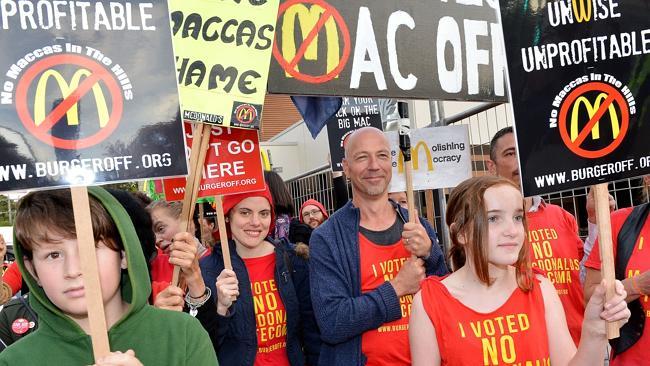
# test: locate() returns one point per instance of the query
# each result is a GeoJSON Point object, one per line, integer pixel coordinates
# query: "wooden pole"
{"type": "Point", "coordinates": [90, 272]}
{"type": "Point", "coordinates": [408, 172]}
{"type": "Point", "coordinates": [223, 235]}
{"type": "Point", "coordinates": [200, 143]}
{"type": "Point", "coordinates": [431, 216]}
{"type": "Point", "coordinates": [607, 270]}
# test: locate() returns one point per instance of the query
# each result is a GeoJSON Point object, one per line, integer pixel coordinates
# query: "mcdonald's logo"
{"type": "Point", "coordinates": [308, 19]}
{"type": "Point", "coordinates": [581, 10]}
{"type": "Point", "coordinates": [67, 89]}
{"type": "Point", "coordinates": [575, 127]}
{"type": "Point", "coordinates": [415, 157]}
{"type": "Point", "coordinates": [591, 111]}
{"type": "Point", "coordinates": [245, 113]}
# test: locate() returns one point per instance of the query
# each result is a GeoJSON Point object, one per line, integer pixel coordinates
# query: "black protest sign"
{"type": "Point", "coordinates": [354, 114]}
{"type": "Point", "coordinates": [416, 49]}
{"type": "Point", "coordinates": [88, 95]}
{"type": "Point", "coordinates": [581, 90]}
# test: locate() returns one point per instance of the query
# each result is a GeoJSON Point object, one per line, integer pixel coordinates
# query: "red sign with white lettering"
{"type": "Point", "coordinates": [232, 165]}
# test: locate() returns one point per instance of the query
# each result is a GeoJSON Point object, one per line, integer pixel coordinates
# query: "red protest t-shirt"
{"type": "Point", "coordinates": [270, 314]}
{"type": "Point", "coordinates": [638, 354]}
{"type": "Point", "coordinates": [388, 344]}
{"type": "Point", "coordinates": [556, 251]}
{"type": "Point", "coordinates": [13, 278]}
{"type": "Point", "coordinates": [515, 333]}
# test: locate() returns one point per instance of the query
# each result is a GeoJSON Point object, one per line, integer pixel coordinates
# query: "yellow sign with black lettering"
{"type": "Point", "coordinates": [223, 51]}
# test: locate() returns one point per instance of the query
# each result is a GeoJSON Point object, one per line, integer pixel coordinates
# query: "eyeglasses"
{"type": "Point", "coordinates": [315, 212]}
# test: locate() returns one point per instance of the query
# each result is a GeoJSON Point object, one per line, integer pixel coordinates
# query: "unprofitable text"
{"type": "Point", "coordinates": [77, 15]}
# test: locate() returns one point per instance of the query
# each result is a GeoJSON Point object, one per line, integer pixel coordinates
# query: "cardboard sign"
{"type": "Point", "coordinates": [581, 90]}
{"type": "Point", "coordinates": [441, 158]}
{"type": "Point", "coordinates": [354, 114]}
{"type": "Point", "coordinates": [416, 49]}
{"type": "Point", "coordinates": [88, 94]}
{"type": "Point", "coordinates": [222, 57]}
{"type": "Point", "coordinates": [232, 165]}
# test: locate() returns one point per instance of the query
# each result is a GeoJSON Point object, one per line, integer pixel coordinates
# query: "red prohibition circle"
{"type": "Point", "coordinates": [569, 102]}
{"type": "Point", "coordinates": [42, 132]}
{"type": "Point", "coordinates": [330, 11]}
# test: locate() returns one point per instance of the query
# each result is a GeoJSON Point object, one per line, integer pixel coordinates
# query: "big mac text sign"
{"type": "Point", "coordinates": [88, 94]}
{"type": "Point", "coordinates": [581, 90]}
{"type": "Point", "coordinates": [389, 48]}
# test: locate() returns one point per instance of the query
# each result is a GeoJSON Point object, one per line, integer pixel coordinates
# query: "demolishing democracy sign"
{"type": "Point", "coordinates": [389, 48]}
{"type": "Point", "coordinates": [88, 93]}
{"type": "Point", "coordinates": [580, 80]}
{"type": "Point", "coordinates": [223, 50]}
{"type": "Point", "coordinates": [441, 158]}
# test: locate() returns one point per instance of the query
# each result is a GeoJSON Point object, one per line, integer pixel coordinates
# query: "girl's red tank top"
{"type": "Point", "coordinates": [513, 334]}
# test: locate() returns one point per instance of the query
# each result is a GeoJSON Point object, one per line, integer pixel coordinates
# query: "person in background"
{"type": "Point", "coordinates": [366, 261]}
{"type": "Point", "coordinates": [11, 279]}
{"type": "Point", "coordinates": [206, 226]}
{"type": "Point", "coordinates": [493, 300]}
{"type": "Point", "coordinates": [262, 314]}
{"type": "Point", "coordinates": [313, 213]}
{"type": "Point", "coordinates": [286, 226]}
{"type": "Point", "coordinates": [166, 223]}
{"type": "Point", "coordinates": [630, 228]}
{"type": "Point", "coordinates": [399, 198]}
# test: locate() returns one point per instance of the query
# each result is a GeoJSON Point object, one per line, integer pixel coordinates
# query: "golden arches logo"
{"type": "Point", "coordinates": [591, 111]}
{"type": "Point", "coordinates": [584, 14]}
{"type": "Point", "coordinates": [415, 157]}
{"type": "Point", "coordinates": [67, 89]}
{"type": "Point", "coordinates": [308, 18]}
{"type": "Point", "coordinates": [246, 113]}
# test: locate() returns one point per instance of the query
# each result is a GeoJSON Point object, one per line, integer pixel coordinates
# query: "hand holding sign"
{"type": "Point", "coordinates": [227, 290]}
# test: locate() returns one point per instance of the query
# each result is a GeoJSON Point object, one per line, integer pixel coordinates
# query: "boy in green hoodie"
{"type": "Point", "coordinates": [47, 254]}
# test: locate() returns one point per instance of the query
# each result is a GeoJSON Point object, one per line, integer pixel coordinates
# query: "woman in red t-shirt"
{"type": "Point", "coordinates": [493, 310]}
{"type": "Point", "coordinates": [260, 313]}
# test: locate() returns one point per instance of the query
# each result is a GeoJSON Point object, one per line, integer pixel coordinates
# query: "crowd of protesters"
{"type": "Point", "coordinates": [362, 285]}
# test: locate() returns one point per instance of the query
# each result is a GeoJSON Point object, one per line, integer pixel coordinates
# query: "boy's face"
{"type": "Point", "coordinates": [56, 267]}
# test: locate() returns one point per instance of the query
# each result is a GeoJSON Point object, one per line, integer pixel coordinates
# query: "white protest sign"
{"type": "Point", "coordinates": [441, 158]}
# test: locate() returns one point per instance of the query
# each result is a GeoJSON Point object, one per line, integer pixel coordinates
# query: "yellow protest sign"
{"type": "Point", "coordinates": [223, 51]}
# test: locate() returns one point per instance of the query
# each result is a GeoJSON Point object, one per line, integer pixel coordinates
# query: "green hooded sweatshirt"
{"type": "Point", "coordinates": [158, 337]}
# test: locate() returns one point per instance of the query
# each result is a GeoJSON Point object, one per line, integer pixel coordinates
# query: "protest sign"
{"type": "Point", "coordinates": [389, 48]}
{"type": "Point", "coordinates": [580, 87]}
{"type": "Point", "coordinates": [441, 158]}
{"type": "Point", "coordinates": [233, 164]}
{"type": "Point", "coordinates": [354, 114]}
{"type": "Point", "coordinates": [88, 94]}
{"type": "Point", "coordinates": [56, 54]}
{"type": "Point", "coordinates": [222, 56]}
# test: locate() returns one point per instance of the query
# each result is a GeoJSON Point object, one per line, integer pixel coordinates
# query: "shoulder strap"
{"type": "Point", "coordinates": [627, 237]}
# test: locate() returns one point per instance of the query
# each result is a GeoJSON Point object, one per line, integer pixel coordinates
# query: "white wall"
{"type": "Point", "coordinates": [295, 152]}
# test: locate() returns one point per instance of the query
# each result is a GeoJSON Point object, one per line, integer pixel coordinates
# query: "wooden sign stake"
{"type": "Point", "coordinates": [607, 270]}
{"type": "Point", "coordinates": [223, 235]}
{"type": "Point", "coordinates": [200, 142]}
{"type": "Point", "coordinates": [90, 272]}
